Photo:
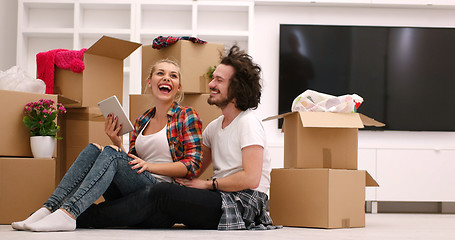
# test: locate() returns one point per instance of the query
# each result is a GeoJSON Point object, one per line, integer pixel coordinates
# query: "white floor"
{"type": "Point", "coordinates": [378, 227]}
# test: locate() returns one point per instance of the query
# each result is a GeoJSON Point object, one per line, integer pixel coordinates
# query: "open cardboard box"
{"type": "Point", "coordinates": [319, 198]}
{"type": "Point", "coordinates": [81, 127]}
{"type": "Point", "coordinates": [194, 59]}
{"type": "Point", "coordinates": [142, 102]}
{"type": "Point", "coordinates": [25, 184]}
{"type": "Point", "coordinates": [16, 140]}
{"type": "Point", "coordinates": [322, 139]}
{"type": "Point", "coordinates": [101, 78]}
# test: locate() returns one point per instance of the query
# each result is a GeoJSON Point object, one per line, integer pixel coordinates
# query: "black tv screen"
{"type": "Point", "coordinates": [406, 75]}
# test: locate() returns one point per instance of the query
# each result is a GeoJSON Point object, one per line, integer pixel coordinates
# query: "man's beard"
{"type": "Point", "coordinates": [221, 103]}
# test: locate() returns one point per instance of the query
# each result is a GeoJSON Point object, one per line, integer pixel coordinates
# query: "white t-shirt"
{"type": "Point", "coordinates": [154, 148]}
{"type": "Point", "coordinates": [226, 145]}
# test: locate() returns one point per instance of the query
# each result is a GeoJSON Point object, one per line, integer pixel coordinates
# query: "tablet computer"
{"type": "Point", "coordinates": [112, 105]}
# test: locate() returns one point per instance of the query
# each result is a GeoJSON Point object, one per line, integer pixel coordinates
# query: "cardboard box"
{"type": "Point", "coordinates": [141, 103]}
{"type": "Point", "coordinates": [322, 139]}
{"type": "Point", "coordinates": [208, 173]}
{"type": "Point", "coordinates": [25, 184]}
{"type": "Point", "coordinates": [194, 60]}
{"type": "Point", "coordinates": [102, 76]}
{"type": "Point", "coordinates": [82, 126]}
{"type": "Point", "coordinates": [319, 198]}
{"type": "Point", "coordinates": [16, 136]}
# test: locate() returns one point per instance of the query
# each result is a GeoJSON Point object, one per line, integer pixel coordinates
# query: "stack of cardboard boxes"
{"type": "Point", "coordinates": [320, 185]}
{"type": "Point", "coordinates": [27, 182]}
{"type": "Point", "coordinates": [194, 60]}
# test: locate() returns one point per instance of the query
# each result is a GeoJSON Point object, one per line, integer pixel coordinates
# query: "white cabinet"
{"type": "Point", "coordinates": [409, 166]}
{"type": "Point", "coordinates": [403, 2]}
{"type": "Point", "coordinates": [410, 175]}
{"type": "Point", "coordinates": [416, 175]}
{"type": "Point", "coordinates": [421, 3]}
{"type": "Point", "coordinates": [312, 2]}
{"type": "Point", "coordinates": [371, 3]}
{"type": "Point", "coordinates": [44, 25]}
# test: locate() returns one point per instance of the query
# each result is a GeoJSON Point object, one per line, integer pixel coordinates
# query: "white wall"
{"type": "Point", "coordinates": [265, 51]}
{"type": "Point", "coordinates": [8, 33]}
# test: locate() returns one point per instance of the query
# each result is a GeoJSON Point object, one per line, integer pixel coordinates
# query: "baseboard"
{"type": "Point", "coordinates": [410, 207]}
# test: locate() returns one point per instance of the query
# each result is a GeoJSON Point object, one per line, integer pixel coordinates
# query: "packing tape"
{"type": "Point", "coordinates": [327, 158]}
{"type": "Point", "coordinates": [346, 222]}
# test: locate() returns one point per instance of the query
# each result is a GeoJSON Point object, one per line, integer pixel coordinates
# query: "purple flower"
{"type": "Point", "coordinates": [40, 112]}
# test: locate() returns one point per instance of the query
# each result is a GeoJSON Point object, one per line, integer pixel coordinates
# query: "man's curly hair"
{"type": "Point", "coordinates": [245, 85]}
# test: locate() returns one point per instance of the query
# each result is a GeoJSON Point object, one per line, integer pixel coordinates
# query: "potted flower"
{"type": "Point", "coordinates": [40, 119]}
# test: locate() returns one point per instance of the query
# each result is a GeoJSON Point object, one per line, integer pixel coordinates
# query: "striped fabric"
{"type": "Point", "coordinates": [245, 210]}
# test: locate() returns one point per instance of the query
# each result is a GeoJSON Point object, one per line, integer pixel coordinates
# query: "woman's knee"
{"type": "Point", "coordinates": [101, 148]}
{"type": "Point", "coordinates": [98, 146]}
{"type": "Point", "coordinates": [116, 148]}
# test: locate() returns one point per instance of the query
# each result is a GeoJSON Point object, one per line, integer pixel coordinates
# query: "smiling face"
{"type": "Point", "coordinates": [164, 81]}
{"type": "Point", "coordinates": [219, 86]}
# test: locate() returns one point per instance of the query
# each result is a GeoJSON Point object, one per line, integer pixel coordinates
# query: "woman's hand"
{"type": "Point", "coordinates": [139, 163]}
{"type": "Point", "coordinates": [194, 183]}
{"type": "Point", "coordinates": [111, 131]}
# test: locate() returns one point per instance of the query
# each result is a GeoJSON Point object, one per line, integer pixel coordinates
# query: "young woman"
{"type": "Point", "coordinates": [165, 144]}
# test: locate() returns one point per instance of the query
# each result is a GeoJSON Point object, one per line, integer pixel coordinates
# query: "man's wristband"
{"type": "Point", "coordinates": [214, 184]}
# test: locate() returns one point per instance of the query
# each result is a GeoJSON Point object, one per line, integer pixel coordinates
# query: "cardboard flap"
{"type": "Point", "coordinates": [65, 101]}
{"type": "Point", "coordinates": [85, 114]}
{"type": "Point", "coordinates": [331, 120]}
{"type": "Point", "coordinates": [277, 116]}
{"type": "Point", "coordinates": [113, 48]}
{"type": "Point", "coordinates": [367, 121]}
{"type": "Point", "coordinates": [369, 181]}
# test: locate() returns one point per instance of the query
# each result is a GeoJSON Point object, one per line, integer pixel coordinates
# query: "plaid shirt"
{"type": "Point", "coordinates": [245, 210]}
{"type": "Point", "coordinates": [184, 135]}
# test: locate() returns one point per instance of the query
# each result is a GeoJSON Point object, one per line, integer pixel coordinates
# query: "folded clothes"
{"type": "Point", "coordinates": [161, 42]}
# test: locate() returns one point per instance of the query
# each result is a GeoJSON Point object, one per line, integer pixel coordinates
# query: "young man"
{"type": "Point", "coordinates": [236, 196]}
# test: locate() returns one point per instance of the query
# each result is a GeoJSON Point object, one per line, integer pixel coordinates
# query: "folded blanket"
{"type": "Point", "coordinates": [62, 58]}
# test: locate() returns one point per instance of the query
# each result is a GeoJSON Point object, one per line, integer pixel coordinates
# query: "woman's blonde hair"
{"type": "Point", "coordinates": [179, 95]}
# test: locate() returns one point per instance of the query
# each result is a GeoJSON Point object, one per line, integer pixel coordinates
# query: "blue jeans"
{"type": "Point", "coordinates": [91, 174]}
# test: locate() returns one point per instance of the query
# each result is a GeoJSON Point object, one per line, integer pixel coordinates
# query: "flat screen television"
{"type": "Point", "coordinates": [406, 75]}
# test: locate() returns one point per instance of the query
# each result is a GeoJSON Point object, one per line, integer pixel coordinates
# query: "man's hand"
{"type": "Point", "coordinates": [194, 183]}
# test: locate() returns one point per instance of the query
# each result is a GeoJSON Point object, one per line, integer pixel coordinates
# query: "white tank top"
{"type": "Point", "coordinates": [154, 148]}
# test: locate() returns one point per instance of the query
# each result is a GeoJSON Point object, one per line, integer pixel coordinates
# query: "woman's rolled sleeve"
{"type": "Point", "coordinates": [190, 142]}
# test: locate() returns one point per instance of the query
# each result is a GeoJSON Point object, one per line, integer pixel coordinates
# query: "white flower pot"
{"type": "Point", "coordinates": [42, 146]}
